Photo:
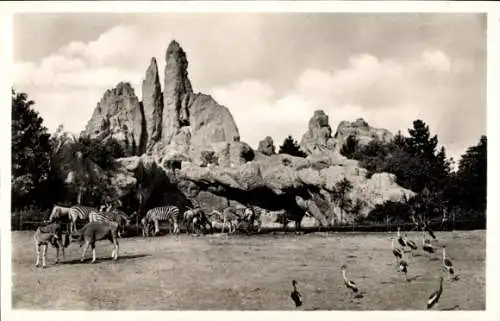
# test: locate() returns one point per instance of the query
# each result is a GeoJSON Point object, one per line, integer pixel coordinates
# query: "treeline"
{"type": "Point", "coordinates": [419, 165]}
{"type": "Point", "coordinates": [38, 159]}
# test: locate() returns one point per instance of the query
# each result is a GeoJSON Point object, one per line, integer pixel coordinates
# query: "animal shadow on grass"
{"type": "Point", "coordinates": [104, 259]}
{"type": "Point", "coordinates": [455, 307]}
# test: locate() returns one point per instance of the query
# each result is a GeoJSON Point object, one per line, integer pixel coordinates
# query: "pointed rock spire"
{"type": "Point", "coordinates": [152, 100]}
{"type": "Point", "coordinates": [176, 92]}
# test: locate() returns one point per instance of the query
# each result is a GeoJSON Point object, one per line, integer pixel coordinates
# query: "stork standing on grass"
{"type": "Point", "coordinates": [434, 297]}
{"type": "Point", "coordinates": [398, 254]}
{"type": "Point", "coordinates": [400, 239]}
{"type": "Point", "coordinates": [403, 267]}
{"type": "Point", "coordinates": [426, 246]}
{"type": "Point", "coordinates": [348, 283]}
{"type": "Point", "coordinates": [295, 295]}
{"type": "Point", "coordinates": [411, 244]}
{"type": "Point", "coordinates": [447, 263]}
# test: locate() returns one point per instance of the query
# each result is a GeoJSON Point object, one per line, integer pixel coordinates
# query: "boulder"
{"type": "Point", "coordinates": [266, 146]}
{"type": "Point", "coordinates": [318, 137]}
{"type": "Point", "coordinates": [363, 132]}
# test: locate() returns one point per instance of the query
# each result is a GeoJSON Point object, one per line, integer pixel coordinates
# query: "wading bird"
{"type": "Point", "coordinates": [428, 230]}
{"type": "Point", "coordinates": [396, 251]}
{"type": "Point", "coordinates": [295, 295]}
{"type": "Point", "coordinates": [426, 246]}
{"type": "Point", "coordinates": [349, 284]}
{"type": "Point", "coordinates": [447, 263]}
{"type": "Point", "coordinates": [411, 245]}
{"type": "Point", "coordinates": [400, 239]}
{"type": "Point", "coordinates": [434, 297]}
{"type": "Point", "coordinates": [403, 267]}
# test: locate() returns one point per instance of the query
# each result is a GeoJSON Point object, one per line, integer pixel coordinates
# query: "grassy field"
{"type": "Point", "coordinates": [249, 273]}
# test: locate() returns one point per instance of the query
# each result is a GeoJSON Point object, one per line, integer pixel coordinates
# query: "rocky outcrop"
{"type": "Point", "coordinates": [213, 166]}
{"type": "Point", "coordinates": [363, 132]}
{"type": "Point", "coordinates": [266, 146]}
{"type": "Point", "coordinates": [152, 102]}
{"type": "Point", "coordinates": [177, 92]}
{"type": "Point", "coordinates": [318, 137]}
{"type": "Point", "coordinates": [119, 115]}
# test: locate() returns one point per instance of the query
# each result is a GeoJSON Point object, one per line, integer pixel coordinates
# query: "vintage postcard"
{"type": "Point", "coordinates": [181, 160]}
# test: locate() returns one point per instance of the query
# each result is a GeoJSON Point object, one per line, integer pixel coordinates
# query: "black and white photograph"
{"type": "Point", "coordinates": [247, 161]}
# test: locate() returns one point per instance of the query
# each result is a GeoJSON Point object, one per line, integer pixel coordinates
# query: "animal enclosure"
{"type": "Point", "coordinates": [250, 273]}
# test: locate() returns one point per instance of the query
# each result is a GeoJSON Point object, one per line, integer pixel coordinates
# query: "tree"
{"type": "Point", "coordinates": [471, 177]}
{"type": "Point", "coordinates": [350, 147]}
{"type": "Point", "coordinates": [340, 195]}
{"type": "Point", "coordinates": [291, 147]}
{"type": "Point", "coordinates": [30, 152]}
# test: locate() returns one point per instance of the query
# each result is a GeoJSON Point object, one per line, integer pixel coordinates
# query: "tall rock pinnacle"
{"type": "Point", "coordinates": [152, 100]}
{"type": "Point", "coordinates": [176, 92]}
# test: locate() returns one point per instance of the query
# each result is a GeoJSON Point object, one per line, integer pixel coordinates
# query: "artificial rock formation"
{"type": "Point", "coordinates": [119, 115]}
{"type": "Point", "coordinates": [152, 102]}
{"type": "Point", "coordinates": [216, 167]}
{"type": "Point", "coordinates": [318, 137]}
{"type": "Point", "coordinates": [363, 132]}
{"type": "Point", "coordinates": [266, 146]}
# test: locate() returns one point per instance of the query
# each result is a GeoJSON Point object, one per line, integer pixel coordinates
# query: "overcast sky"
{"type": "Point", "coordinates": [271, 70]}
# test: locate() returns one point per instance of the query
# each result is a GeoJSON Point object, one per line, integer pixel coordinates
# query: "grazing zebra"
{"type": "Point", "coordinates": [58, 213]}
{"type": "Point", "coordinates": [113, 217]}
{"type": "Point", "coordinates": [159, 214]}
{"type": "Point", "coordinates": [79, 212]}
{"type": "Point", "coordinates": [218, 219]}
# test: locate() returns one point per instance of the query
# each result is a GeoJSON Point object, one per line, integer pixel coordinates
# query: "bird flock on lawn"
{"type": "Point", "coordinates": [402, 263]}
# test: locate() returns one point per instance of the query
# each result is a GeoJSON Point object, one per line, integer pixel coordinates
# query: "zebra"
{"type": "Point", "coordinates": [58, 213]}
{"type": "Point", "coordinates": [79, 212]}
{"type": "Point", "coordinates": [158, 214]}
{"type": "Point", "coordinates": [111, 217]}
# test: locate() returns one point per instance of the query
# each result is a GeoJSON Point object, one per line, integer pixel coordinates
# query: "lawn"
{"type": "Point", "coordinates": [249, 273]}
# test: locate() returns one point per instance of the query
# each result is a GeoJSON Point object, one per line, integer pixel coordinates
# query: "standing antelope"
{"type": "Point", "coordinates": [97, 231]}
{"type": "Point", "coordinates": [53, 234]}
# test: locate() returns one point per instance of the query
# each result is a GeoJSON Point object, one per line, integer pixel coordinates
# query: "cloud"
{"type": "Point", "coordinates": [437, 60]}
{"type": "Point", "coordinates": [387, 93]}
{"type": "Point", "coordinates": [270, 89]}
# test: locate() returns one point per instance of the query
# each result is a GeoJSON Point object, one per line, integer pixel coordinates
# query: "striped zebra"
{"type": "Point", "coordinates": [115, 217]}
{"type": "Point", "coordinates": [79, 212]}
{"type": "Point", "coordinates": [160, 214]}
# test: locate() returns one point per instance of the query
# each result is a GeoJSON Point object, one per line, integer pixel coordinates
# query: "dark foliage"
{"type": "Point", "coordinates": [291, 147]}
{"type": "Point", "coordinates": [30, 153]}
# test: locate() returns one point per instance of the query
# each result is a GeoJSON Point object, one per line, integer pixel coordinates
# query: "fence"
{"type": "Point", "coordinates": [30, 220]}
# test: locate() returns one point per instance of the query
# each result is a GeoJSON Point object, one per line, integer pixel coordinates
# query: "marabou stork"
{"type": "Point", "coordinates": [398, 253]}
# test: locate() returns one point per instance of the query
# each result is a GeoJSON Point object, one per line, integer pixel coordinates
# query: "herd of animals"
{"type": "Point", "coordinates": [402, 263]}
{"type": "Point", "coordinates": [107, 223]}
